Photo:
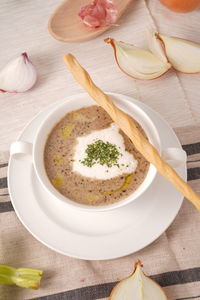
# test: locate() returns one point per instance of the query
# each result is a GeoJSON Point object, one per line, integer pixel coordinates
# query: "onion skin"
{"type": "Point", "coordinates": [183, 6]}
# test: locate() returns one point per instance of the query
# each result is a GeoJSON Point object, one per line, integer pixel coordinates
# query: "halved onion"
{"type": "Point", "coordinates": [137, 286]}
{"type": "Point", "coordinates": [184, 55]}
{"type": "Point", "coordinates": [136, 62]}
{"type": "Point", "coordinates": [155, 45]}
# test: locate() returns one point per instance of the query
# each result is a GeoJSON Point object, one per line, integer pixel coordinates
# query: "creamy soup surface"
{"type": "Point", "coordinates": [89, 160]}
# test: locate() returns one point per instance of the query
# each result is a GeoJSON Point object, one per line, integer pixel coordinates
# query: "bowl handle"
{"type": "Point", "coordinates": [175, 157]}
{"type": "Point", "coordinates": [21, 150]}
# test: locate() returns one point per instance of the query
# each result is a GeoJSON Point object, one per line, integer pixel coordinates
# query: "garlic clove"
{"type": "Point", "coordinates": [19, 75]}
{"type": "Point", "coordinates": [136, 62]}
{"type": "Point", "coordinates": [155, 45]}
{"type": "Point", "coordinates": [99, 13]}
{"type": "Point", "coordinates": [182, 54]}
{"type": "Point", "coordinates": [137, 286]}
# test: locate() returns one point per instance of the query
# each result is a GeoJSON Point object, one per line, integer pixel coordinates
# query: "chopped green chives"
{"type": "Point", "coordinates": [101, 153]}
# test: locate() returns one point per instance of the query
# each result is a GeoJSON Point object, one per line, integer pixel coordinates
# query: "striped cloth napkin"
{"type": "Point", "coordinates": [173, 259]}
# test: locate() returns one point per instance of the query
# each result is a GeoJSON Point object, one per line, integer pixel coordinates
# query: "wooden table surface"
{"type": "Point", "coordinates": [23, 27]}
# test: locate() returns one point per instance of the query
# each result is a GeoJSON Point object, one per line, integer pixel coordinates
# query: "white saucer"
{"type": "Point", "coordinates": [101, 235]}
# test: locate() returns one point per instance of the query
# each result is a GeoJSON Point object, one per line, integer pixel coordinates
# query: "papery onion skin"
{"type": "Point", "coordinates": [181, 58]}
{"type": "Point", "coordinates": [18, 76]}
{"type": "Point", "coordinates": [141, 76]}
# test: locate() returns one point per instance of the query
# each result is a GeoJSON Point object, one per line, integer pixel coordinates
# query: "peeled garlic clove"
{"type": "Point", "coordinates": [155, 45]}
{"type": "Point", "coordinates": [137, 286]}
{"type": "Point", "coordinates": [19, 75]}
{"type": "Point", "coordinates": [183, 55]}
{"type": "Point", "coordinates": [137, 62]}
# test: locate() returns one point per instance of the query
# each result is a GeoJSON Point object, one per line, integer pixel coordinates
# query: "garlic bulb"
{"type": "Point", "coordinates": [137, 286]}
{"type": "Point", "coordinates": [182, 54]}
{"type": "Point", "coordinates": [137, 62]}
{"type": "Point", "coordinates": [19, 75]}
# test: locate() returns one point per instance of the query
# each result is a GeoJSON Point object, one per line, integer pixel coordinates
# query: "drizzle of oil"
{"type": "Point", "coordinates": [67, 130]}
{"type": "Point", "coordinates": [58, 181]}
{"type": "Point", "coordinates": [91, 197]}
{"type": "Point", "coordinates": [80, 117]}
{"type": "Point", "coordinates": [125, 184]}
{"type": "Point", "coordinates": [58, 159]}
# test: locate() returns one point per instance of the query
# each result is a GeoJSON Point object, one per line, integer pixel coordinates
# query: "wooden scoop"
{"type": "Point", "coordinates": [128, 125]}
{"type": "Point", "coordinates": [65, 25]}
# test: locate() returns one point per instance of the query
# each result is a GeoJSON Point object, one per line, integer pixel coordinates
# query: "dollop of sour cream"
{"type": "Point", "coordinates": [126, 162]}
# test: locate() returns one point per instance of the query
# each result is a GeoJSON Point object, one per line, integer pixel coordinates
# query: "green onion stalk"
{"type": "Point", "coordinates": [22, 277]}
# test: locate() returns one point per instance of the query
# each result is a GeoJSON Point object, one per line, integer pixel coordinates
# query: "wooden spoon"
{"type": "Point", "coordinates": [65, 25]}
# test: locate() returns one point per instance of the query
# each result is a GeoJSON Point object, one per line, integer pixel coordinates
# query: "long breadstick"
{"type": "Point", "coordinates": [128, 125]}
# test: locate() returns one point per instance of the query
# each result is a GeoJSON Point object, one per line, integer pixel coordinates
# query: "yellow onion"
{"type": "Point", "coordinates": [137, 286]}
{"type": "Point", "coordinates": [136, 62]}
{"type": "Point", "coordinates": [183, 55]}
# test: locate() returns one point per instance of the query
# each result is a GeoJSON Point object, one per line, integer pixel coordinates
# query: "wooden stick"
{"type": "Point", "coordinates": [128, 125]}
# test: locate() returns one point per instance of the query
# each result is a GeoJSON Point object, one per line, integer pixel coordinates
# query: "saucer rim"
{"type": "Point", "coordinates": [103, 257]}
